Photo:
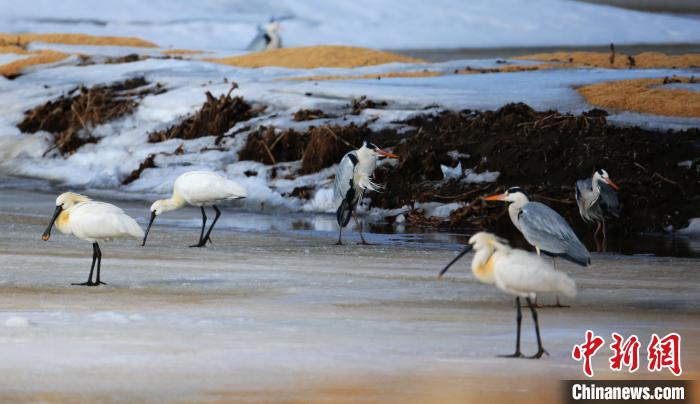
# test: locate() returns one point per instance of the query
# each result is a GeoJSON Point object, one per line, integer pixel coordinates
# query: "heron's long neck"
{"type": "Point", "coordinates": [595, 188]}
{"type": "Point", "coordinates": [364, 170]}
{"type": "Point", "coordinates": [514, 210]}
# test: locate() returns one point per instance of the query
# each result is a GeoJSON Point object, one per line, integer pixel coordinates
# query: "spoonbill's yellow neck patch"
{"type": "Point", "coordinates": [63, 222]}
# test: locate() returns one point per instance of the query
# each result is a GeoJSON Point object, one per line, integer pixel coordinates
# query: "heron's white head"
{"type": "Point", "coordinates": [601, 175]}
{"type": "Point", "coordinates": [370, 150]}
{"type": "Point", "coordinates": [273, 27]}
{"type": "Point", "coordinates": [512, 194]}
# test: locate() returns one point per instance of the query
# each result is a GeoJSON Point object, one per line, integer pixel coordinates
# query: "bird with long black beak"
{"type": "Point", "coordinates": [517, 273]}
{"type": "Point", "coordinates": [198, 188]}
{"type": "Point", "coordinates": [91, 221]}
{"type": "Point", "coordinates": [543, 228]}
{"type": "Point", "coordinates": [597, 201]}
{"type": "Point", "coordinates": [353, 178]}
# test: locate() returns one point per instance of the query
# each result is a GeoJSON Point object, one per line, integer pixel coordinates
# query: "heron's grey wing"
{"type": "Point", "coordinates": [584, 191]}
{"type": "Point", "coordinates": [260, 41]}
{"type": "Point", "coordinates": [344, 174]}
{"type": "Point", "coordinates": [608, 201]}
{"type": "Point", "coordinates": [545, 228]}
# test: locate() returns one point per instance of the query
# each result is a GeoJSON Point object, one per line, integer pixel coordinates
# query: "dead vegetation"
{"type": "Point", "coordinates": [617, 60]}
{"type": "Point", "coordinates": [71, 117]}
{"type": "Point", "coordinates": [310, 57]}
{"type": "Point", "coordinates": [149, 162]}
{"type": "Point", "coordinates": [214, 118]}
{"type": "Point", "coordinates": [14, 69]}
{"type": "Point", "coordinates": [309, 115]}
{"type": "Point", "coordinates": [646, 96]}
{"type": "Point", "coordinates": [75, 39]}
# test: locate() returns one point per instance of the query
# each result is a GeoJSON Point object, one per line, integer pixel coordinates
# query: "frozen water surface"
{"type": "Point", "coordinates": [275, 314]}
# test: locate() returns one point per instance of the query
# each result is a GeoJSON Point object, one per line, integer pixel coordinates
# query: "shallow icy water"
{"type": "Point", "coordinates": [270, 314]}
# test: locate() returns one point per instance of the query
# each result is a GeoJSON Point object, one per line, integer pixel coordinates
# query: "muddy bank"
{"type": "Point", "coordinates": [72, 116]}
{"type": "Point", "coordinates": [543, 152]}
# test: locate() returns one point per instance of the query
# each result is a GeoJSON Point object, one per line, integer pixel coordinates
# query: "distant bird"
{"type": "Point", "coordinates": [597, 200]}
{"type": "Point", "coordinates": [352, 178]}
{"type": "Point", "coordinates": [267, 38]}
{"type": "Point", "coordinates": [91, 221]}
{"type": "Point", "coordinates": [198, 188]}
{"type": "Point", "coordinates": [518, 273]}
{"type": "Point", "coordinates": [543, 228]}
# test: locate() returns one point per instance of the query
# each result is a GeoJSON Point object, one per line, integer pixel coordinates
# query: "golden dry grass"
{"type": "Point", "coordinates": [422, 73]}
{"type": "Point", "coordinates": [645, 60]}
{"type": "Point", "coordinates": [74, 39]}
{"type": "Point", "coordinates": [645, 96]}
{"type": "Point", "coordinates": [38, 57]}
{"type": "Point", "coordinates": [316, 56]}
{"type": "Point", "coordinates": [180, 52]}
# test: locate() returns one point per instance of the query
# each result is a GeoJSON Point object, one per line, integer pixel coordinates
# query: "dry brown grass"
{"type": "Point", "coordinates": [74, 39]}
{"type": "Point", "coordinates": [645, 96]}
{"type": "Point", "coordinates": [645, 60]}
{"type": "Point", "coordinates": [181, 52]}
{"type": "Point", "coordinates": [316, 56]}
{"type": "Point", "coordinates": [15, 68]}
{"type": "Point", "coordinates": [422, 73]}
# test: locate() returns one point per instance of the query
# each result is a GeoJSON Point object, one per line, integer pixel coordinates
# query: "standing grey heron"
{"type": "Point", "coordinates": [597, 200]}
{"type": "Point", "coordinates": [352, 178]}
{"type": "Point", "coordinates": [515, 272]}
{"type": "Point", "coordinates": [267, 38]}
{"type": "Point", "coordinates": [543, 228]}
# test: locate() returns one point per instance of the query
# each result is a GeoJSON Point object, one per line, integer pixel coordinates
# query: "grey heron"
{"type": "Point", "coordinates": [515, 272]}
{"type": "Point", "coordinates": [91, 221]}
{"type": "Point", "coordinates": [597, 200]}
{"type": "Point", "coordinates": [198, 188]}
{"type": "Point", "coordinates": [543, 228]}
{"type": "Point", "coordinates": [353, 178]}
{"type": "Point", "coordinates": [267, 38]}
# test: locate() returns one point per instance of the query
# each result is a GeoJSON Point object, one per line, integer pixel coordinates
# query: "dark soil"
{"type": "Point", "coordinates": [71, 117]}
{"type": "Point", "coordinates": [214, 118]}
{"type": "Point", "coordinates": [545, 153]}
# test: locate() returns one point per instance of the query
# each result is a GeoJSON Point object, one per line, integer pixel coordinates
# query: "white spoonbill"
{"type": "Point", "coordinates": [518, 273]}
{"type": "Point", "coordinates": [352, 178]}
{"type": "Point", "coordinates": [91, 221]}
{"type": "Point", "coordinates": [198, 188]}
{"type": "Point", "coordinates": [597, 200]}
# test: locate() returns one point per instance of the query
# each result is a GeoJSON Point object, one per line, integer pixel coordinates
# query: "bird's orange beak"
{"type": "Point", "coordinates": [387, 154]}
{"type": "Point", "coordinates": [612, 184]}
{"type": "Point", "coordinates": [498, 197]}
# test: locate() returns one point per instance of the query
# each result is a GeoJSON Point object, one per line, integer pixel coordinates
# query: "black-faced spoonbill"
{"type": "Point", "coordinates": [352, 178]}
{"type": "Point", "coordinates": [543, 228]}
{"type": "Point", "coordinates": [91, 221]}
{"type": "Point", "coordinates": [597, 200]}
{"type": "Point", "coordinates": [518, 273]}
{"type": "Point", "coordinates": [198, 188]}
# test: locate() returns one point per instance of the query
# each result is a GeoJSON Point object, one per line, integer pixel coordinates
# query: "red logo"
{"type": "Point", "coordinates": [665, 353]}
{"type": "Point", "coordinates": [587, 350]}
{"type": "Point", "coordinates": [626, 353]}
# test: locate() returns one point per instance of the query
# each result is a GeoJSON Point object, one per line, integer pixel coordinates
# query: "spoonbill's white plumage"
{"type": "Point", "coordinates": [353, 178]}
{"type": "Point", "coordinates": [515, 272]}
{"type": "Point", "coordinates": [91, 221]}
{"type": "Point", "coordinates": [268, 37]}
{"type": "Point", "coordinates": [597, 200]}
{"type": "Point", "coordinates": [198, 188]}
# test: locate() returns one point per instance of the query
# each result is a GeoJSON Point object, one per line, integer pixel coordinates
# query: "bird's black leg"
{"type": "Point", "coordinates": [340, 232]}
{"type": "Point", "coordinates": [200, 243]}
{"type": "Point", "coordinates": [518, 319]}
{"type": "Point", "coordinates": [206, 237]}
{"type": "Point", "coordinates": [540, 349]}
{"type": "Point", "coordinates": [92, 268]}
{"type": "Point", "coordinates": [99, 265]}
{"type": "Point", "coordinates": [360, 225]}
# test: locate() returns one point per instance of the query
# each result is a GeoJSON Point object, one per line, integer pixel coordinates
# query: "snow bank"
{"type": "Point", "coordinates": [388, 24]}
